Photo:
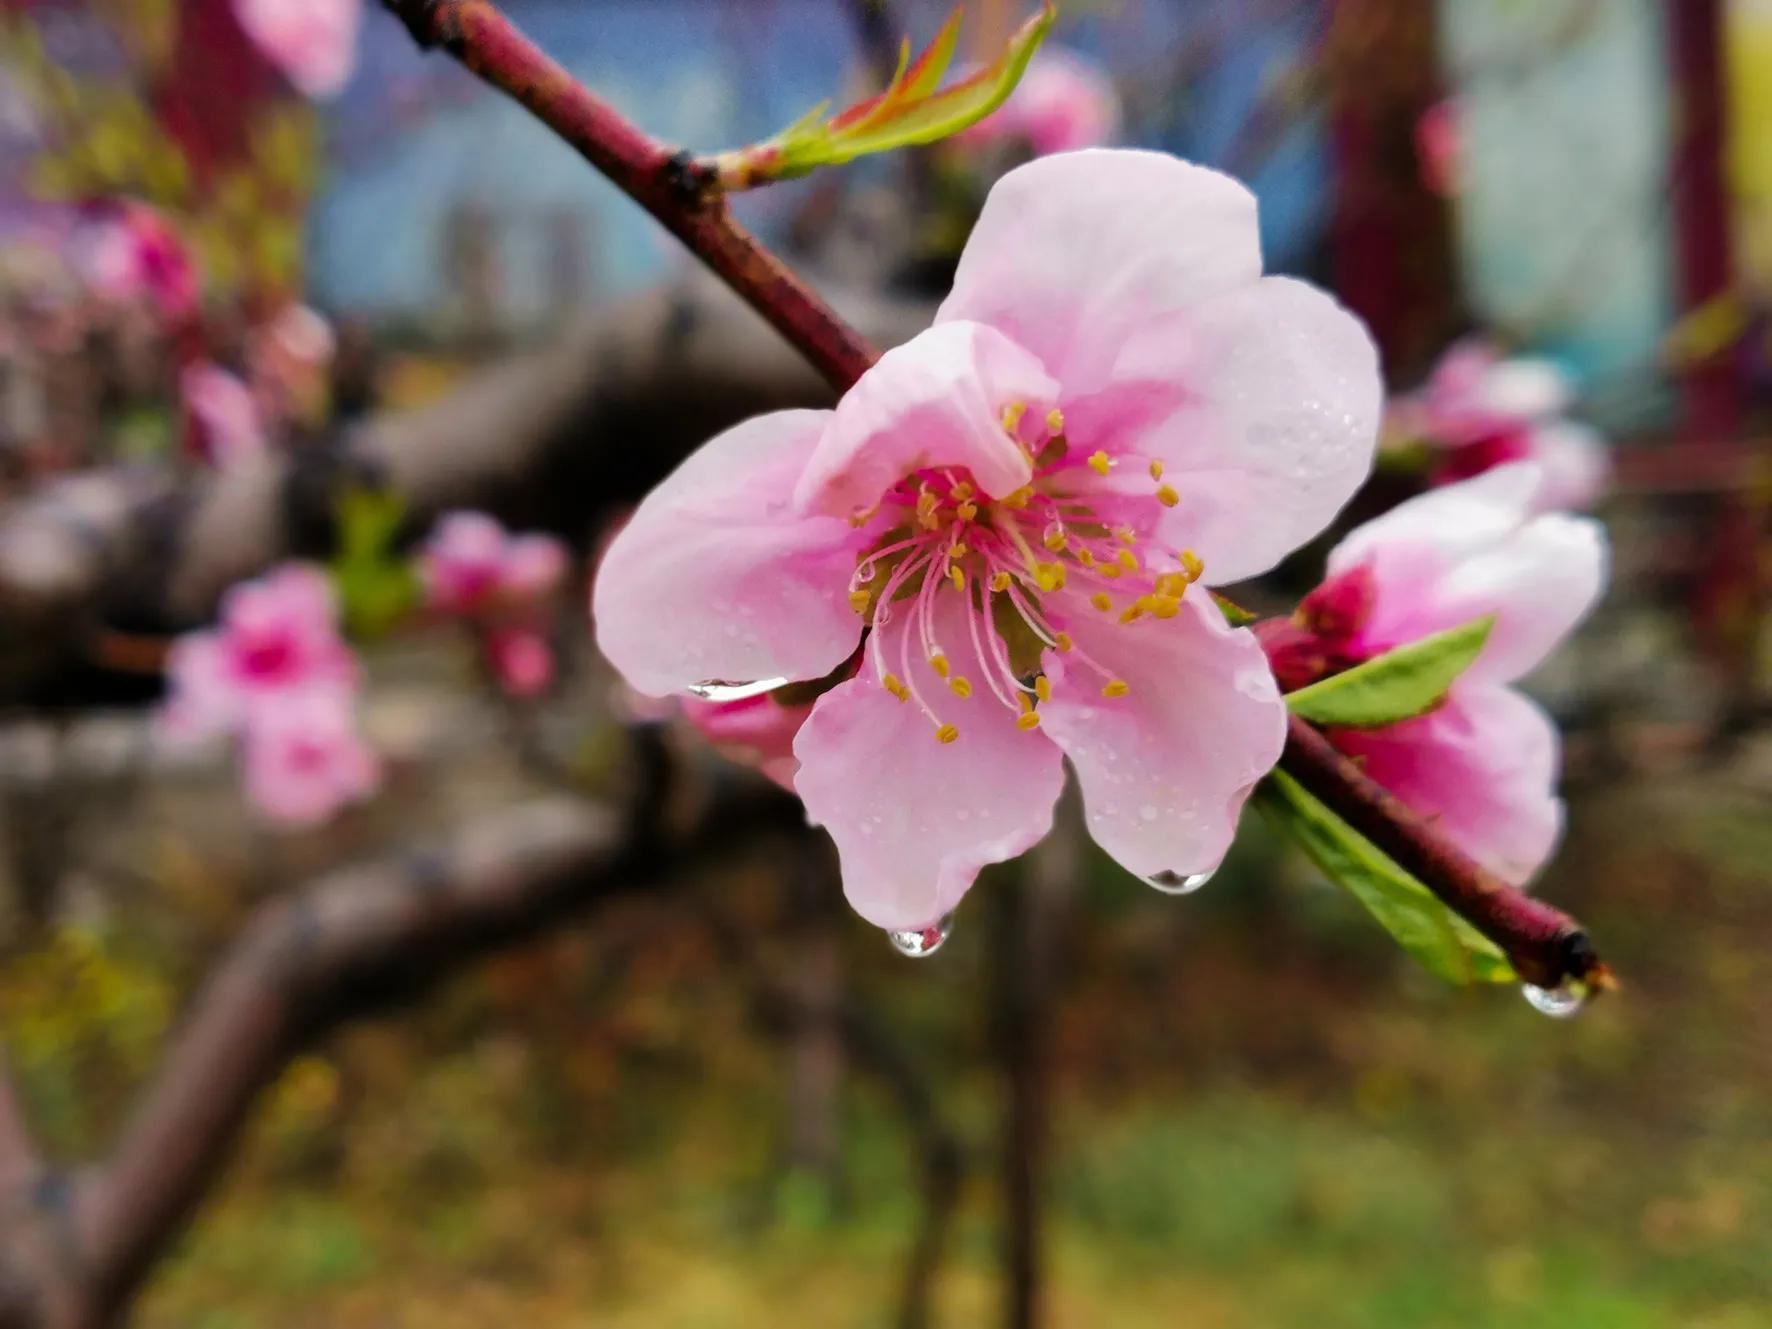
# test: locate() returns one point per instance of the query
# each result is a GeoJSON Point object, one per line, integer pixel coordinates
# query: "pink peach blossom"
{"type": "Point", "coordinates": [1064, 101]}
{"type": "Point", "coordinates": [758, 731]}
{"type": "Point", "coordinates": [522, 660]}
{"type": "Point", "coordinates": [225, 427]}
{"type": "Point", "coordinates": [1483, 410]}
{"type": "Point", "coordinates": [313, 42]}
{"type": "Point", "coordinates": [275, 638]}
{"type": "Point", "coordinates": [1011, 509]}
{"type": "Point", "coordinates": [126, 252]}
{"type": "Point", "coordinates": [504, 585]}
{"type": "Point", "coordinates": [305, 761]}
{"type": "Point", "coordinates": [1484, 763]}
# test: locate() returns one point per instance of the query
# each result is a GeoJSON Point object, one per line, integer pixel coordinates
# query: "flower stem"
{"type": "Point", "coordinates": [1545, 945]}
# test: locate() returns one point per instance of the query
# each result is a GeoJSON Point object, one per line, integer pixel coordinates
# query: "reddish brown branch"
{"type": "Point", "coordinates": [667, 183]}
{"type": "Point", "coordinates": [1545, 944]}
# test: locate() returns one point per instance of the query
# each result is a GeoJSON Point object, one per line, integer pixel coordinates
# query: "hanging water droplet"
{"type": "Point", "coordinates": [1054, 534]}
{"type": "Point", "coordinates": [865, 573]}
{"type": "Point", "coordinates": [921, 942]}
{"type": "Point", "coordinates": [1560, 1003]}
{"type": "Point", "coordinates": [718, 689]}
{"type": "Point", "coordinates": [1178, 883]}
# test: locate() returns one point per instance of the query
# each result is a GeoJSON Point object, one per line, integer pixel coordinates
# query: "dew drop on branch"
{"type": "Point", "coordinates": [1560, 1003]}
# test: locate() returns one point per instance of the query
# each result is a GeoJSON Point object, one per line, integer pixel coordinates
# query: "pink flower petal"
{"type": "Point", "coordinates": [1277, 402]}
{"type": "Point", "coordinates": [716, 576]}
{"type": "Point", "coordinates": [915, 819]}
{"type": "Point", "coordinates": [1484, 766]}
{"type": "Point", "coordinates": [1574, 463]}
{"type": "Point", "coordinates": [1075, 251]}
{"type": "Point", "coordinates": [1166, 768]}
{"type": "Point", "coordinates": [313, 42]}
{"type": "Point", "coordinates": [937, 400]}
{"type": "Point", "coordinates": [756, 732]}
{"type": "Point", "coordinates": [304, 760]}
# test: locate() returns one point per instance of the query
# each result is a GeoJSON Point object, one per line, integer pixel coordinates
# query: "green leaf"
{"type": "Point", "coordinates": [909, 112]}
{"type": "Point", "coordinates": [1444, 943]}
{"type": "Point", "coordinates": [1398, 685]}
{"type": "Point", "coordinates": [376, 587]}
{"type": "Point", "coordinates": [1234, 613]}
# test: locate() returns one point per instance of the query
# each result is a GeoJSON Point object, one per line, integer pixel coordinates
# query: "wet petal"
{"type": "Point", "coordinates": [1075, 251]}
{"type": "Point", "coordinates": [1165, 769]}
{"type": "Point", "coordinates": [915, 819]}
{"type": "Point", "coordinates": [717, 577]}
{"type": "Point", "coordinates": [938, 400]}
{"type": "Point", "coordinates": [1484, 766]}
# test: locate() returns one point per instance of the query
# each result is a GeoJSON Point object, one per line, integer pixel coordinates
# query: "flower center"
{"type": "Point", "coordinates": [1073, 522]}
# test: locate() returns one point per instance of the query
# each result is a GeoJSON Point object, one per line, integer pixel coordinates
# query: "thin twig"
{"type": "Point", "coordinates": [1545, 945]}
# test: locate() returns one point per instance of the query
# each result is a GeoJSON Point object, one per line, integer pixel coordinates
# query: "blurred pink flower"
{"type": "Point", "coordinates": [1005, 496]}
{"type": "Point", "coordinates": [289, 359]}
{"type": "Point", "coordinates": [1484, 410]}
{"type": "Point", "coordinates": [222, 417]}
{"type": "Point", "coordinates": [1064, 101]}
{"type": "Point", "coordinates": [1484, 763]}
{"type": "Point", "coordinates": [274, 638]}
{"type": "Point", "coordinates": [505, 585]}
{"type": "Point", "coordinates": [313, 42]}
{"type": "Point", "coordinates": [304, 759]}
{"type": "Point", "coordinates": [758, 732]}
{"type": "Point", "coordinates": [127, 252]}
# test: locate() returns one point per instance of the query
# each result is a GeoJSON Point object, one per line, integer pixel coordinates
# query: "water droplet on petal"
{"type": "Point", "coordinates": [921, 942]}
{"type": "Point", "coordinates": [1560, 1003]}
{"type": "Point", "coordinates": [865, 573]}
{"type": "Point", "coordinates": [1178, 883]}
{"type": "Point", "coordinates": [719, 689]}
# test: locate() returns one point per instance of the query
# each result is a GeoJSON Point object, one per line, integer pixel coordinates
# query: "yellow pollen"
{"type": "Point", "coordinates": [1028, 723]}
{"type": "Point", "coordinates": [958, 578]}
{"type": "Point", "coordinates": [1163, 606]}
{"type": "Point", "coordinates": [1129, 560]}
{"type": "Point", "coordinates": [1126, 536]}
{"type": "Point", "coordinates": [939, 663]}
{"type": "Point", "coordinates": [1156, 470]}
{"type": "Point", "coordinates": [929, 521]}
{"type": "Point", "coordinates": [926, 502]}
{"type": "Point", "coordinates": [1167, 496]}
{"type": "Point", "coordinates": [1012, 414]}
{"type": "Point", "coordinates": [1055, 540]}
{"type": "Point", "coordinates": [957, 550]}
{"type": "Point", "coordinates": [1117, 688]}
{"type": "Point", "coordinates": [947, 733]}
{"type": "Point", "coordinates": [962, 687]}
{"type": "Point", "coordinates": [1086, 558]}
{"type": "Point", "coordinates": [1099, 463]}
{"type": "Point", "coordinates": [1064, 642]}
{"type": "Point", "coordinates": [1022, 699]}
{"type": "Point", "coordinates": [859, 600]}
{"type": "Point", "coordinates": [961, 492]}
{"type": "Point", "coordinates": [1100, 601]}
{"type": "Point", "coordinates": [968, 511]}
{"type": "Point", "coordinates": [893, 684]}
{"type": "Point", "coordinates": [1043, 688]}
{"type": "Point", "coordinates": [1000, 581]}
{"type": "Point", "coordinates": [1192, 564]}
{"type": "Point", "coordinates": [1173, 584]}
{"type": "Point", "coordinates": [1049, 576]}
{"type": "Point", "coordinates": [1132, 614]}
{"type": "Point", "coordinates": [1111, 571]}
{"type": "Point", "coordinates": [1019, 499]}
{"type": "Point", "coordinates": [1055, 420]}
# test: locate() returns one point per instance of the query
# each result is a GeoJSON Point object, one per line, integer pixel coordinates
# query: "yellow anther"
{"type": "Point", "coordinates": [1043, 688]}
{"type": "Point", "coordinates": [1099, 463]}
{"type": "Point", "coordinates": [1012, 414]}
{"type": "Point", "coordinates": [1056, 540]}
{"type": "Point", "coordinates": [859, 600]}
{"type": "Point", "coordinates": [1025, 704]}
{"type": "Point", "coordinates": [1163, 606]}
{"type": "Point", "coordinates": [1167, 496]}
{"type": "Point", "coordinates": [1112, 571]}
{"type": "Point", "coordinates": [1100, 601]}
{"type": "Point", "coordinates": [1156, 470]}
{"type": "Point", "coordinates": [1129, 560]}
{"type": "Point", "coordinates": [939, 663]}
{"type": "Point", "coordinates": [1117, 688]}
{"type": "Point", "coordinates": [1192, 564]}
{"type": "Point", "coordinates": [893, 684]}
{"type": "Point", "coordinates": [1086, 558]}
{"type": "Point", "coordinates": [1019, 499]}
{"type": "Point", "coordinates": [926, 502]}
{"type": "Point", "coordinates": [947, 733]}
{"type": "Point", "coordinates": [967, 511]}
{"type": "Point", "coordinates": [1063, 642]}
{"type": "Point", "coordinates": [962, 687]}
{"type": "Point", "coordinates": [1028, 723]}
{"type": "Point", "coordinates": [1133, 613]}
{"type": "Point", "coordinates": [1173, 584]}
{"type": "Point", "coordinates": [1126, 536]}
{"type": "Point", "coordinates": [961, 492]}
{"type": "Point", "coordinates": [1000, 581]}
{"type": "Point", "coordinates": [1049, 576]}
{"type": "Point", "coordinates": [958, 578]}
{"type": "Point", "coordinates": [956, 550]}
{"type": "Point", "coordinates": [929, 521]}
{"type": "Point", "coordinates": [862, 516]}
{"type": "Point", "coordinates": [1055, 421]}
